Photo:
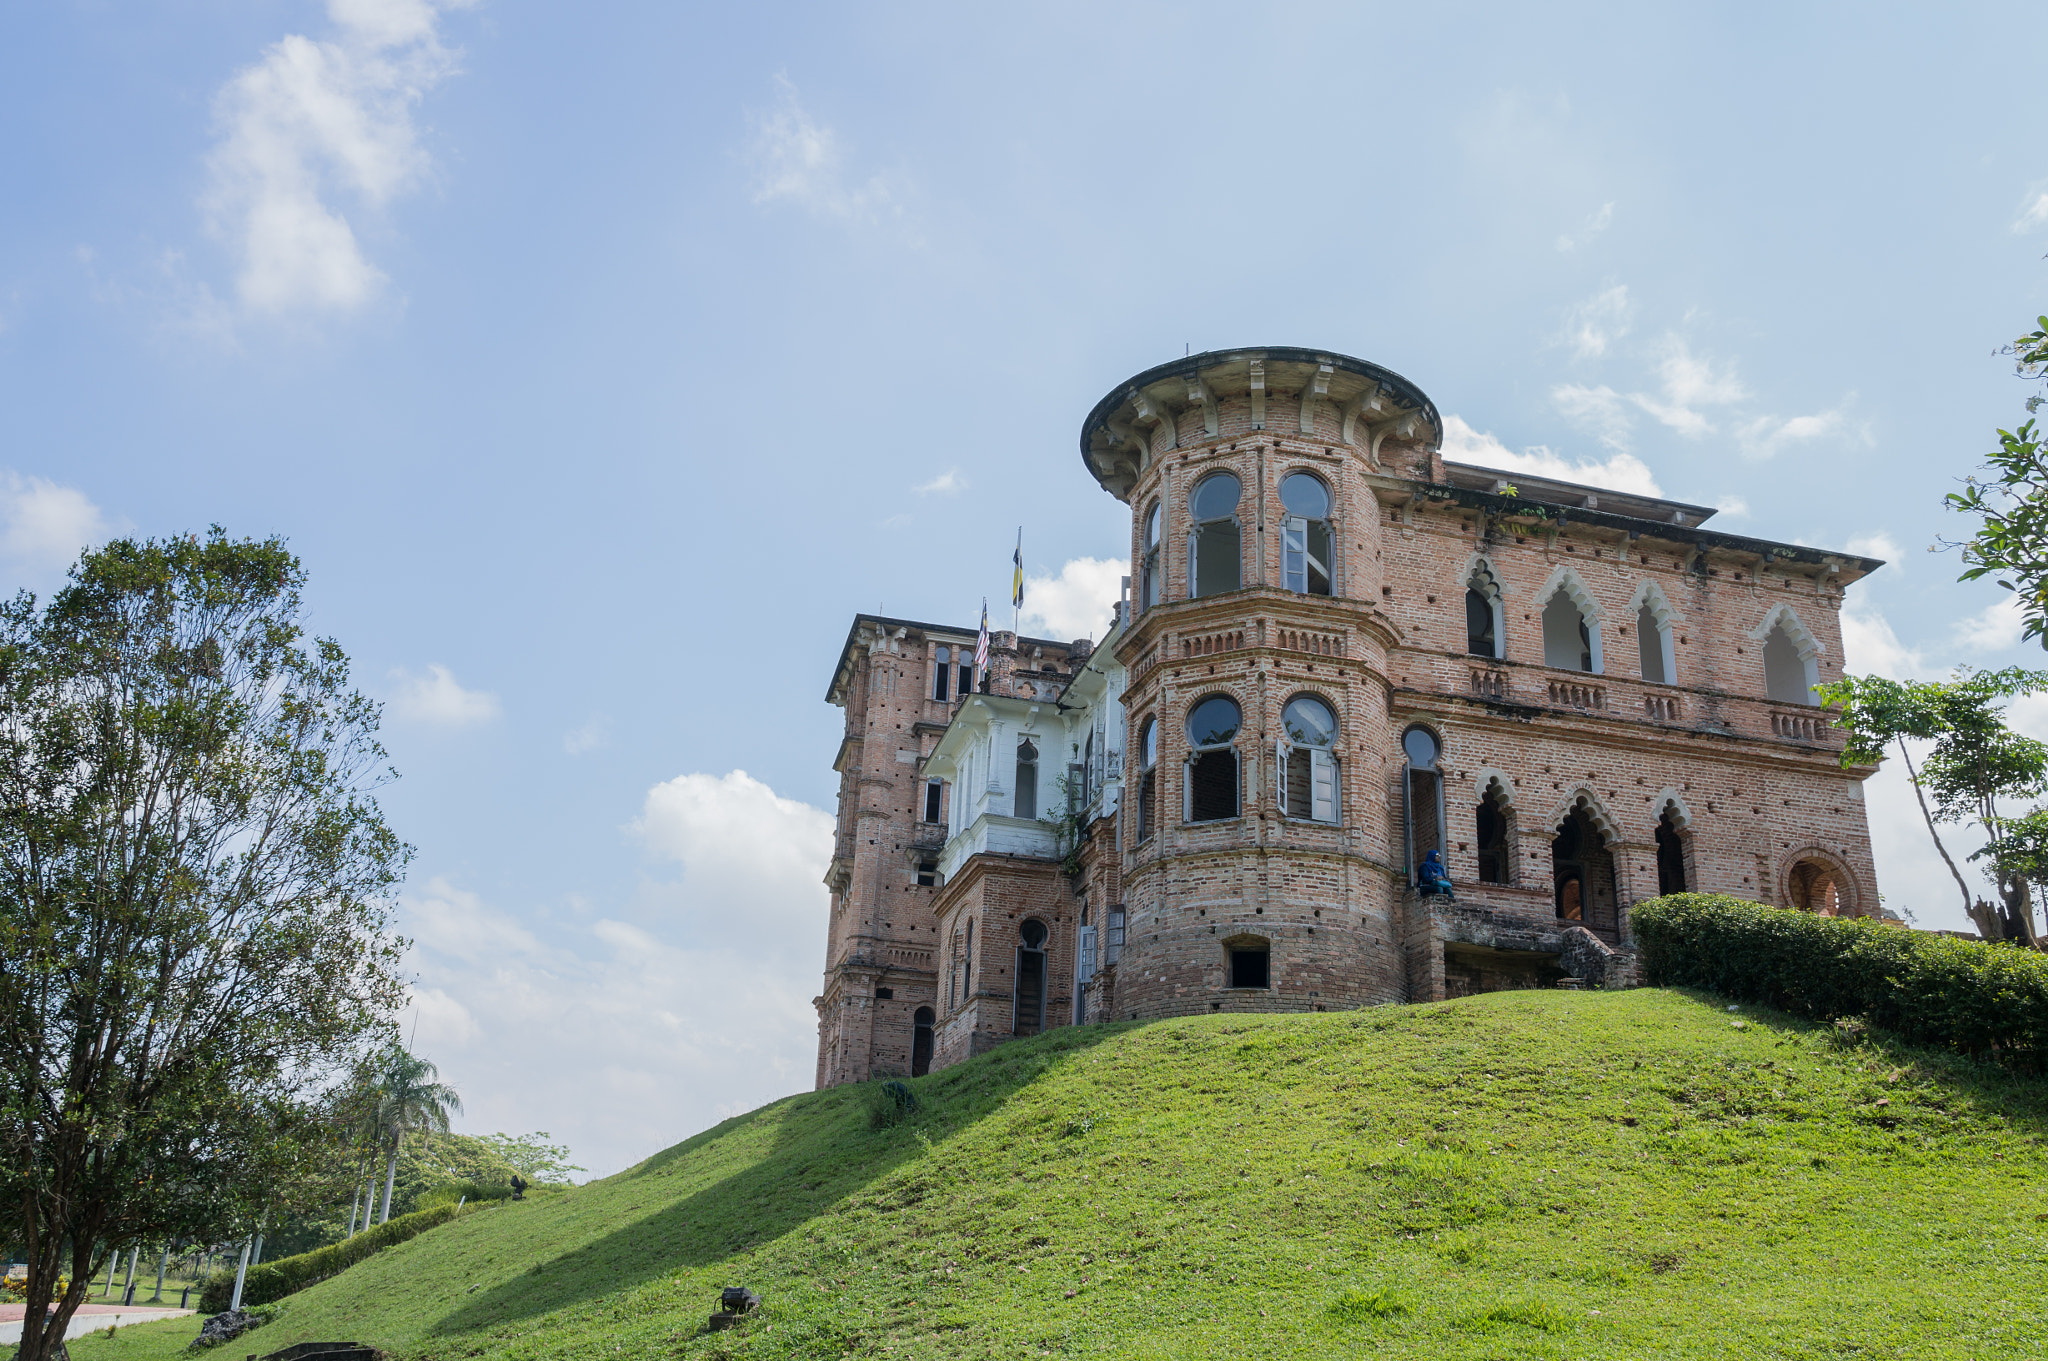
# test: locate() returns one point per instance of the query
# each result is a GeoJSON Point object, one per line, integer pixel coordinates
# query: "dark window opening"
{"type": "Point", "coordinates": [1582, 870]}
{"type": "Point", "coordinates": [966, 679]}
{"type": "Point", "coordinates": [1422, 799]}
{"type": "Point", "coordinates": [1670, 856]}
{"type": "Point", "coordinates": [1030, 978]}
{"type": "Point", "coordinates": [943, 672]}
{"type": "Point", "coordinates": [932, 795]}
{"type": "Point", "coordinates": [1248, 967]}
{"type": "Point", "coordinates": [1493, 840]}
{"type": "Point", "coordinates": [927, 874]}
{"type": "Point", "coordinates": [1212, 786]}
{"type": "Point", "coordinates": [1479, 635]}
{"type": "Point", "coordinates": [885, 994]}
{"type": "Point", "coordinates": [1148, 777]}
{"type": "Point", "coordinates": [921, 1042]}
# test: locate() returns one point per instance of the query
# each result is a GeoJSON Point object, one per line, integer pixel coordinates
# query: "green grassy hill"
{"type": "Point", "coordinates": [1639, 1174]}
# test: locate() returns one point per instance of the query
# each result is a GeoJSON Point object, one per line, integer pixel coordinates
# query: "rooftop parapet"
{"type": "Point", "coordinates": [1324, 393]}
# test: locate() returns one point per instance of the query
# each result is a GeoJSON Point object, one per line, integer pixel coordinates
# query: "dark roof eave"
{"type": "Point", "coordinates": [1508, 506]}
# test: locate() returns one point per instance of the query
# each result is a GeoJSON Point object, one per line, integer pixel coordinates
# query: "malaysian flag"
{"type": "Point", "coordinates": [981, 643]}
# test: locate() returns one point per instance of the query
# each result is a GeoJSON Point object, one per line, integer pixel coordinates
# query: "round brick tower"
{"type": "Point", "coordinates": [1261, 816]}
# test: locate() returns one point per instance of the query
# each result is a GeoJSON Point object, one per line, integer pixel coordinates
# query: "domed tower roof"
{"type": "Point", "coordinates": [1362, 398]}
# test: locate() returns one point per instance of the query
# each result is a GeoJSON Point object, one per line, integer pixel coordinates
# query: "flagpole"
{"type": "Point", "coordinates": [1017, 589]}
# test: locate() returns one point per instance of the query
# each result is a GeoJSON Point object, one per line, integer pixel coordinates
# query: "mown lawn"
{"type": "Point", "coordinates": [1640, 1174]}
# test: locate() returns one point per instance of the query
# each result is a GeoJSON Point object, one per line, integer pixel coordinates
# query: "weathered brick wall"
{"type": "Point", "coordinates": [882, 933]}
{"type": "Point", "coordinates": [1754, 784]}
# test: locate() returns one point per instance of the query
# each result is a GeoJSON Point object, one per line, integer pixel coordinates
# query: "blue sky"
{"type": "Point", "coordinates": [601, 361]}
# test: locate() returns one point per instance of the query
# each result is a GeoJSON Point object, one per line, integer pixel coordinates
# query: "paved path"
{"type": "Point", "coordinates": [88, 1318]}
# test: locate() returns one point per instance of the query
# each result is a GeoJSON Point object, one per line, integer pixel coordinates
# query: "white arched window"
{"type": "Point", "coordinates": [1571, 626]}
{"type": "Point", "coordinates": [1306, 763]}
{"type": "Point", "coordinates": [1025, 803]}
{"type": "Point", "coordinates": [1789, 673]}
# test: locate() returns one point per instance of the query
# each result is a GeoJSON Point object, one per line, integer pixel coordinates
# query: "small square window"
{"type": "Point", "coordinates": [927, 873]}
{"type": "Point", "coordinates": [885, 994]}
{"type": "Point", "coordinates": [1248, 968]}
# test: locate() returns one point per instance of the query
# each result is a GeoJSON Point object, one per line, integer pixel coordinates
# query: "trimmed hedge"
{"type": "Point", "coordinates": [1971, 996]}
{"type": "Point", "coordinates": [269, 1281]}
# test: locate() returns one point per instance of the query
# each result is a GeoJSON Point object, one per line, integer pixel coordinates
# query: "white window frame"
{"type": "Point", "coordinates": [1325, 786]}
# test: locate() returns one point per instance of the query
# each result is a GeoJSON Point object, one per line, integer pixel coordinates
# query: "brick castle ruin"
{"type": "Point", "coordinates": [1336, 653]}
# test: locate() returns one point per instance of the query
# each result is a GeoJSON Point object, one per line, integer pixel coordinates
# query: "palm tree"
{"type": "Point", "coordinates": [410, 1100]}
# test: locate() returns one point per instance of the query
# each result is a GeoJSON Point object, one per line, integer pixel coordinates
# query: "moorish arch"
{"type": "Point", "coordinates": [1791, 655]}
{"type": "Point", "coordinates": [1565, 580]}
{"type": "Point", "coordinates": [1671, 830]}
{"type": "Point", "coordinates": [1656, 622]}
{"type": "Point", "coordinates": [1813, 878]}
{"type": "Point", "coordinates": [1495, 840]}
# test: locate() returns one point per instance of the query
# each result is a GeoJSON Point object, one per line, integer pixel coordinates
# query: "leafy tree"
{"type": "Point", "coordinates": [539, 1161]}
{"type": "Point", "coordinates": [409, 1099]}
{"type": "Point", "coordinates": [2011, 546]}
{"type": "Point", "coordinates": [194, 890]}
{"type": "Point", "coordinates": [1974, 763]}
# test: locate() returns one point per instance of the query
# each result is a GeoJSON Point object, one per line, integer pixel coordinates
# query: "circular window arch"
{"type": "Point", "coordinates": [1309, 721]}
{"type": "Point", "coordinates": [1306, 495]}
{"type": "Point", "coordinates": [1214, 722]}
{"type": "Point", "coordinates": [1212, 777]}
{"type": "Point", "coordinates": [1422, 747]}
{"type": "Point", "coordinates": [1215, 497]}
{"type": "Point", "coordinates": [1215, 558]}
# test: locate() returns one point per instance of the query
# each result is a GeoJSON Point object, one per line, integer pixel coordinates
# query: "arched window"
{"type": "Point", "coordinates": [1789, 671]}
{"type": "Point", "coordinates": [1485, 635]}
{"type": "Point", "coordinates": [1212, 759]}
{"type": "Point", "coordinates": [1582, 871]}
{"type": "Point", "coordinates": [942, 668]}
{"type": "Point", "coordinates": [1148, 777]}
{"type": "Point", "coordinates": [1306, 765]}
{"type": "Point", "coordinates": [1422, 797]}
{"type": "Point", "coordinates": [1148, 587]}
{"type": "Point", "coordinates": [1567, 641]}
{"type": "Point", "coordinates": [1030, 995]}
{"type": "Point", "coordinates": [1495, 859]}
{"type": "Point", "coordinates": [1306, 540]}
{"type": "Point", "coordinates": [1213, 555]}
{"type": "Point", "coordinates": [1025, 802]}
{"type": "Point", "coordinates": [1816, 887]}
{"type": "Point", "coordinates": [1653, 644]}
{"type": "Point", "coordinates": [921, 1041]}
{"type": "Point", "coordinates": [1670, 854]}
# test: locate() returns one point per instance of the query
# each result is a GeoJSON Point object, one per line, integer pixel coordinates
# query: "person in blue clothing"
{"type": "Point", "coordinates": [1430, 879]}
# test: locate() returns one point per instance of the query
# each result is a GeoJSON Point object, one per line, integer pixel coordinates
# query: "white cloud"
{"type": "Point", "coordinates": [798, 160]}
{"type": "Point", "coordinates": [313, 122]}
{"type": "Point", "coordinates": [1689, 382]}
{"type": "Point", "coordinates": [623, 1036]}
{"type": "Point", "coordinates": [1879, 545]}
{"type": "Point", "coordinates": [2034, 212]}
{"type": "Point", "coordinates": [438, 698]}
{"type": "Point", "coordinates": [43, 527]}
{"type": "Point", "coordinates": [587, 736]}
{"type": "Point", "coordinates": [945, 483]}
{"type": "Point", "coordinates": [1995, 628]}
{"type": "Point", "coordinates": [1869, 646]}
{"type": "Point", "coordinates": [1076, 603]}
{"type": "Point", "coordinates": [1599, 410]}
{"type": "Point", "coordinates": [1593, 325]}
{"type": "Point", "coordinates": [1732, 505]}
{"type": "Point", "coordinates": [1588, 229]}
{"type": "Point", "coordinates": [1766, 436]}
{"type": "Point", "coordinates": [1622, 472]}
